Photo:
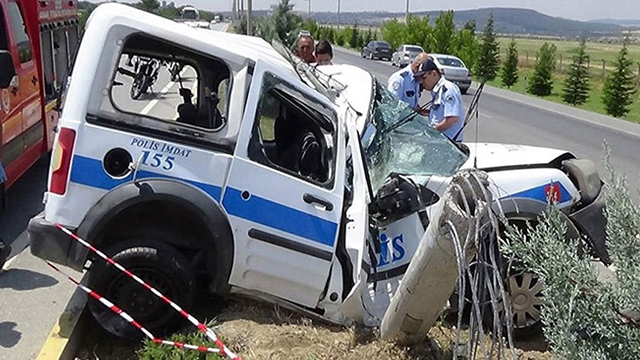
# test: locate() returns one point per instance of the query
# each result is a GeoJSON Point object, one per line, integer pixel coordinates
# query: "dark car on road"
{"type": "Point", "coordinates": [377, 50]}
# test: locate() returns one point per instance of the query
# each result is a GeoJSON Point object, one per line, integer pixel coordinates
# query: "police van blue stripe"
{"type": "Point", "coordinates": [539, 193]}
{"type": "Point", "coordinates": [89, 172]}
{"type": "Point", "coordinates": [281, 217]}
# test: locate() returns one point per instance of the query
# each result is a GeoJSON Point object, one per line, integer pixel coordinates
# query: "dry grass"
{"type": "Point", "coordinates": [261, 331]}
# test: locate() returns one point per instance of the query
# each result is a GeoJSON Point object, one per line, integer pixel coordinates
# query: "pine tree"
{"type": "Point", "coordinates": [368, 37]}
{"type": "Point", "coordinates": [576, 87]}
{"type": "Point", "coordinates": [286, 24]}
{"type": "Point", "coordinates": [510, 68]}
{"type": "Point", "coordinates": [354, 36]}
{"type": "Point", "coordinates": [619, 86]}
{"type": "Point", "coordinates": [489, 53]}
{"type": "Point", "coordinates": [541, 82]}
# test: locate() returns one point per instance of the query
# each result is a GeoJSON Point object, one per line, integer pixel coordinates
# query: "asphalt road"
{"type": "Point", "coordinates": [507, 117]}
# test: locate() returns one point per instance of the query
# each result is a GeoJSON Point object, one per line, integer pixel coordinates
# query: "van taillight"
{"type": "Point", "coordinates": [61, 161]}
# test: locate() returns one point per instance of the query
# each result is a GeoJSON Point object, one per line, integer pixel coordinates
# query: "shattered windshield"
{"type": "Point", "coordinates": [397, 140]}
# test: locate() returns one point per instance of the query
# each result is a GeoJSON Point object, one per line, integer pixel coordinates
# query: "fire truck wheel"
{"type": "Point", "coordinates": [156, 263]}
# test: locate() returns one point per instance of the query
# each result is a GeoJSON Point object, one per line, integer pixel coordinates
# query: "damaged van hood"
{"type": "Point", "coordinates": [487, 156]}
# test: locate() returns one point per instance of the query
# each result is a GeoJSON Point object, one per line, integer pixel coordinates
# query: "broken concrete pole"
{"type": "Point", "coordinates": [433, 272]}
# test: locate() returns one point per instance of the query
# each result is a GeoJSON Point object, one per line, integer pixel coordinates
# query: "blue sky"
{"type": "Point", "coordinates": [572, 9]}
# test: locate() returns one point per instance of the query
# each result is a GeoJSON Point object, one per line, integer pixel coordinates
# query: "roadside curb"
{"type": "Point", "coordinates": [66, 335]}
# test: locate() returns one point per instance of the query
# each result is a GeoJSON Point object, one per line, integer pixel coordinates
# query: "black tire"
{"type": "Point", "coordinates": [158, 264]}
{"type": "Point", "coordinates": [464, 91]}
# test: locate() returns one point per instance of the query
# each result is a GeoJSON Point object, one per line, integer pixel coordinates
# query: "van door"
{"type": "Point", "coordinates": [285, 188]}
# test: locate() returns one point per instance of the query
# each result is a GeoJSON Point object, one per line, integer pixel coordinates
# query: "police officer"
{"type": "Point", "coordinates": [446, 113]}
{"type": "Point", "coordinates": [405, 85]}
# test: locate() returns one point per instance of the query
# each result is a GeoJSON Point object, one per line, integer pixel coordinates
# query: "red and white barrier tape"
{"type": "Point", "coordinates": [202, 327]}
{"type": "Point", "coordinates": [130, 319]}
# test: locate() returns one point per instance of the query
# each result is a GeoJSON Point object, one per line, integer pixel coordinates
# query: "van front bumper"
{"type": "Point", "coordinates": [50, 243]}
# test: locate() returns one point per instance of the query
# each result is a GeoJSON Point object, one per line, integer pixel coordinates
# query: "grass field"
{"type": "Point", "coordinates": [594, 103]}
{"type": "Point", "coordinates": [596, 51]}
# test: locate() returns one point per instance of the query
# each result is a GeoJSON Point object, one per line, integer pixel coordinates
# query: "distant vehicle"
{"type": "Point", "coordinates": [190, 13]}
{"type": "Point", "coordinates": [304, 33]}
{"type": "Point", "coordinates": [405, 54]}
{"type": "Point", "coordinates": [454, 70]}
{"type": "Point", "coordinates": [217, 19]}
{"type": "Point", "coordinates": [377, 50]}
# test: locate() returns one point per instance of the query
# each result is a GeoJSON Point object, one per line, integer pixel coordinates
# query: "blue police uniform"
{"type": "Point", "coordinates": [403, 85]}
{"type": "Point", "coordinates": [447, 101]}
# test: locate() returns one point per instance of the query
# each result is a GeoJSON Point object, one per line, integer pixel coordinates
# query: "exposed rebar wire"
{"type": "Point", "coordinates": [482, 278]}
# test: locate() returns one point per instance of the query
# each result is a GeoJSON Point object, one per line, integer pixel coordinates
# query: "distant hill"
{"type": "Point", "coordinates": [507, 21]}
{"type": "Point", "coordinates": [621, 22]}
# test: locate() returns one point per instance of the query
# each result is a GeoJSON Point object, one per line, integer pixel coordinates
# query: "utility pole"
{"type": "Point", "coordinates": [406, 14]}
{"type": "Point", "coordinates": [249, 27]}
{"type": "Point", "coordinates": [309, 9]}
{"type": "Point", "coordinates": [234, 11]}
{"type": "Point", "coordinates": [338, 14]}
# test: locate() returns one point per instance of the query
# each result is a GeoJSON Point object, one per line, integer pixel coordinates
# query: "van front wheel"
{"type": "Point", "coordinates": [158, 264]}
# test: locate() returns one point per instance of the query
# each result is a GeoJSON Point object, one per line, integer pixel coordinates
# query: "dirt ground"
{"type": "Point", "coordinates": [260, 331]}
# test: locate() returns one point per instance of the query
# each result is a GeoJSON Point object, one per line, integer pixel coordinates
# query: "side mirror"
{"type": "Point", "coordinates": [7, 70]}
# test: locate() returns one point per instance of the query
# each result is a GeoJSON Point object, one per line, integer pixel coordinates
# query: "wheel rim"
{"type": "Point", "coordinates": [525, 295]}
{"type": "Point", "coordinates": [139, 302]}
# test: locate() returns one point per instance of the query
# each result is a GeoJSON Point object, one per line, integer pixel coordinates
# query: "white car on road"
{"type": "Point", "coordinates": [263, 188]}
{"type": "Point", "coordinates": [405, 54]}
{"type": "Point", "coordinates": [454, 70]}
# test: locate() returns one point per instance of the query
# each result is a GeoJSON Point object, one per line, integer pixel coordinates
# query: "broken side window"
{"type": "Point", "coordinates": [294, 133]}
{"type": "Point", "coordinates": [178, 87]}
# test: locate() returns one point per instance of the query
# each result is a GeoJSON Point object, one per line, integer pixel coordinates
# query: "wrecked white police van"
{"type": "Point", "coordinates": [296, 185]}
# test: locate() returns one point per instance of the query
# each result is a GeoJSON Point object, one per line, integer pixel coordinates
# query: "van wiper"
{"type": "Point", "coordinates": [409, 117]}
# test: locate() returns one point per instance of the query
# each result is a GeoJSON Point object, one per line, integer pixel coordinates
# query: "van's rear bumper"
{"type": "Point", "coordinates": [50, 243]}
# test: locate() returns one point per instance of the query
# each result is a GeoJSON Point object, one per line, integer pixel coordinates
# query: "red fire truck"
{"type": "Point", "coordinates": [37, 41]}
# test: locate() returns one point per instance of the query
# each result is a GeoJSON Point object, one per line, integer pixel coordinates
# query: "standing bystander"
{"type": "Point", "coordinates": [324, 53]}
{"type": "Point", "coordinates": [306, 48]}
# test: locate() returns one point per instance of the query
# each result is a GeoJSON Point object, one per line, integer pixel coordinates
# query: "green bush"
{"type": "Point", "coordinates": [153, 351]}
{"type": "Point", "coordinates": [584, 317]}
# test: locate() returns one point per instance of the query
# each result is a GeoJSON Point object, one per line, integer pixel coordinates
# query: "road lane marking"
{"type": "Point", "coordinates": [154, 102]}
